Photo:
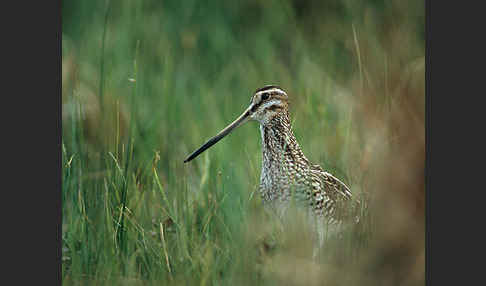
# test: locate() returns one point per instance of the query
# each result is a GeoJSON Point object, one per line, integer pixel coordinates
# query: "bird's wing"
{"type": "Point", "coordinates": [329, 193]}
{"type": "Point", "coordinates": [335, 185]}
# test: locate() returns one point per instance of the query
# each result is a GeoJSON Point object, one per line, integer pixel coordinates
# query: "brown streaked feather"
{"type": "Point", "coordinates": [285, 168]}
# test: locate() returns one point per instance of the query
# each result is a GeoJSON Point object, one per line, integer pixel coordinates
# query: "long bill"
{"type": "Point", "coordinates": [239, 121]}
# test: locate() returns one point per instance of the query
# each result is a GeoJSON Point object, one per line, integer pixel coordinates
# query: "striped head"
{"type": "Point", "coordinates": [266, 103]}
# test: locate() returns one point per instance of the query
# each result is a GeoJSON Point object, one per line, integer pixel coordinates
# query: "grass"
{"type": "Point", "coordinates": [147, 82]}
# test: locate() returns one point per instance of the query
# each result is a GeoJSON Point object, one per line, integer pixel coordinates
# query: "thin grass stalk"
{"type": "Point", "coordinates": [130, 146]}
{"type": "Point", "coordinates": [102, 59]}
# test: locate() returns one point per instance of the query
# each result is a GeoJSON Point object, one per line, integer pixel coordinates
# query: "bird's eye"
{"type": "Point", "coordinates": [265, 96]}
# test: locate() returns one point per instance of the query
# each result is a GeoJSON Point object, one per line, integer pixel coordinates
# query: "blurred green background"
{"type": "Point", "coordinates": [144, 83]}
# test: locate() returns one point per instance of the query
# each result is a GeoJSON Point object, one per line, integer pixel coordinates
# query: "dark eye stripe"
{"type": "Point", "coordinates": [254, 108]}
{"type": "Point", "coordinates": [274, 107]}
{"type": "Point", "coordinates": [263, 98]}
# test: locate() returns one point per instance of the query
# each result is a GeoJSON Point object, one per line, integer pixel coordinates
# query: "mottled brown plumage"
{"type": "Point", "coordinates": [286, 173]}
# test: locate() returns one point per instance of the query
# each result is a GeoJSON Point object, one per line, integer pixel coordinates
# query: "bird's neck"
{"type": "Point", "coordinates": [281, 153]}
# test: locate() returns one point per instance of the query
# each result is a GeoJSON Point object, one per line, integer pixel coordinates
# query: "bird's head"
{"type": "Point", "coordinates": [266, 103]}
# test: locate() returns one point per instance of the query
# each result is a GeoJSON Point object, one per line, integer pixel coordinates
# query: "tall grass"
{"type": "Point", "coordinates": [146, 82]}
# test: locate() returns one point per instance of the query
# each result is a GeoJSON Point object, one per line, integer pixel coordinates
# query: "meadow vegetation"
{"type": "Point", "coordinates": [144, 83]}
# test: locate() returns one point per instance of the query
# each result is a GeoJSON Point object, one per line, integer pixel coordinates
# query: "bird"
{"type": "Point", "coordinates": [286, 172]}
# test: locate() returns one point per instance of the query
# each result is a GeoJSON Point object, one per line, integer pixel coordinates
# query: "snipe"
{"type": "Point", "coordinates": [286, 172]}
